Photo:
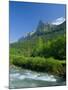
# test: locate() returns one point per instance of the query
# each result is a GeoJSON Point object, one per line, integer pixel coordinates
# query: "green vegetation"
{"type": "Point", "coordinates": [53, 48]}
{"type": "Point", "coordinates": [44, 51]}
{"type": "Point", "coordinates": [49, 65]}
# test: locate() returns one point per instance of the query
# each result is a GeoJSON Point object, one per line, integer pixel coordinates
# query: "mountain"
{"type": "Point", "coordinates": [58, 21]}
{"type": "Point", "coordinates": [43, 33]}
{"type": "Point", "coordinates": [45, 30]}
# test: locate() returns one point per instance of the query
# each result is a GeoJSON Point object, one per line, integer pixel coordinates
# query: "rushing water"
{"type": "Point", "coordinates": [21, 78]}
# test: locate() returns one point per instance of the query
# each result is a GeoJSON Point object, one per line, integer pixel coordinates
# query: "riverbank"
{"type": "Point", "coordinates": [40, 64]}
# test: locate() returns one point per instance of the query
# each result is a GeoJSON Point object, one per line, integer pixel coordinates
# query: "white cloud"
{"type": "Point", "coordinates": [58, 21]}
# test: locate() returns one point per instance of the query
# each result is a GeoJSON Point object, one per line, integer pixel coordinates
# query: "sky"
{"type": "Point", "coordinates": [25, 16]}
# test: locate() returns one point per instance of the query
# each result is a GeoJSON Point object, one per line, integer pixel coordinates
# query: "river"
{"type": "Point", "coordinates": [23, 78]}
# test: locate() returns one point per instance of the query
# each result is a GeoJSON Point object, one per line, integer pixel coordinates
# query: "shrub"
{"type": "Point", "coordinates": [49, 65]}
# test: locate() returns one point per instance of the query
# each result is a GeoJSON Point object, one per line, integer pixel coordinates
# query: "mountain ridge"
{"type": "Point", "coordinates": [42, 29]}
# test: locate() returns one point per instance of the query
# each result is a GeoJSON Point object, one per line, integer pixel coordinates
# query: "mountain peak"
{"type": "Point", "coordinates": [58, 21]}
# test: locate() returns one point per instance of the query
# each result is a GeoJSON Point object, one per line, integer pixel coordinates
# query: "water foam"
{"type": "Point", "coordinates": [37, 77]}
{"type": "Point", "coordinates": [14, 75]}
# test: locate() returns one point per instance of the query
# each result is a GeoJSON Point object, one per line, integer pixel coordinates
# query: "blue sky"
{"type": "Point", "coordinates": [24, 17]}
